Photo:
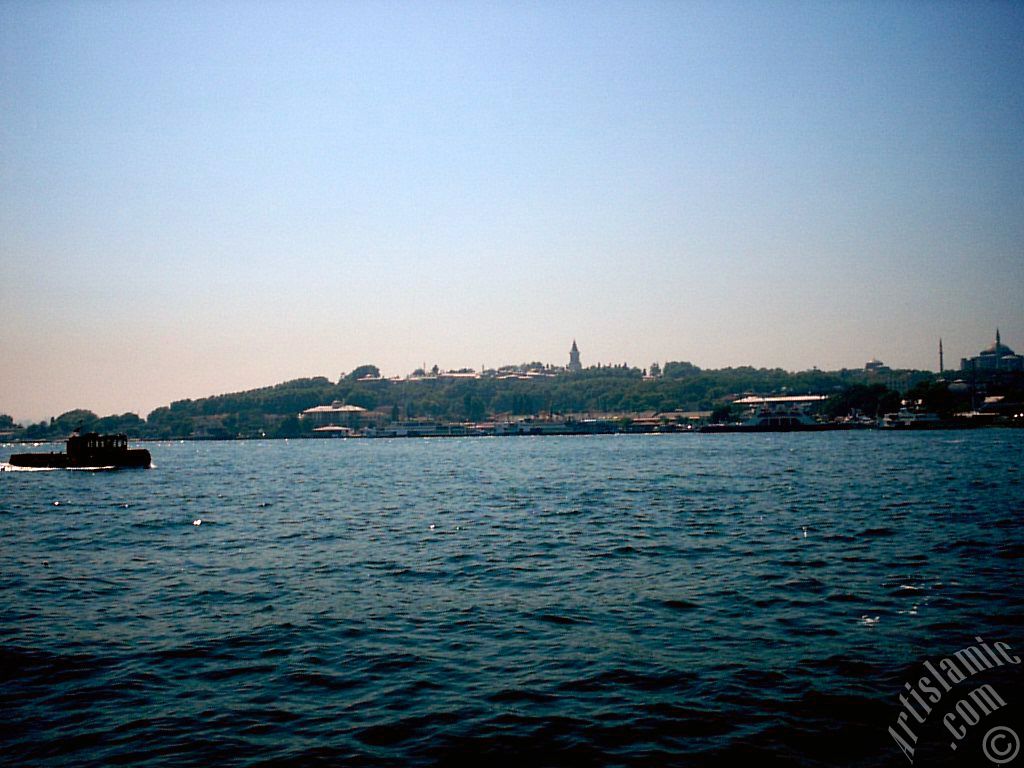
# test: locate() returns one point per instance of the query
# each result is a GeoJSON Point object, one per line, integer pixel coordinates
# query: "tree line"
{"type": "Point", "coordinates": [620, 389]}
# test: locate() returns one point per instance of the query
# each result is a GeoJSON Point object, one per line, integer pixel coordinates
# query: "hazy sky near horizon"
{"type": "Point", "coordinates": [203, 197]}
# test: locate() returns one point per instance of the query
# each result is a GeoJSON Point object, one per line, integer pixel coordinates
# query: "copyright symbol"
{"type": "Point", "coordinates": [1000, 745]}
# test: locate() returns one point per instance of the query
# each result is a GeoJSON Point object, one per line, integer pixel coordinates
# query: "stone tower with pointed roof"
{"type": "Point", "coordinates": [574, 358]}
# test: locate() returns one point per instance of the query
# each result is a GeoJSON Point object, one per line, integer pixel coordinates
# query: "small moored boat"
{"type": "Point", "coordinates": [908, 419]}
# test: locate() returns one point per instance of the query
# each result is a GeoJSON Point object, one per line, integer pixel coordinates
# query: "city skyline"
{"type": "Point", "coordinates": [574, 354]}
{"type": "Point", "coordinates": [202, 198]}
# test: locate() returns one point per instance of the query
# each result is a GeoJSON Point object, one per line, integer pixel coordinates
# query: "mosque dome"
{"type": "Point", "coordinates": [995, 357]}
{"type": "Point", "coordinates": [997, 348]}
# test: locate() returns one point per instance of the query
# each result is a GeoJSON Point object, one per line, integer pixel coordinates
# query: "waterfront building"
{"type": "Point", "coordinates": [574, 358]}
{"type": "Point", "coordinates": [335, 415]}
{"type": "Point", "coordinates": [997, 357]}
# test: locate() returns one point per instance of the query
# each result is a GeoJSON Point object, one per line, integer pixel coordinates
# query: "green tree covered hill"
{"type": "Point", "coordinates": [273, 411]}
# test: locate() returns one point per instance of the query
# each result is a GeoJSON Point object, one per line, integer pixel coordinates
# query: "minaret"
{"type": "Point", "coordinates": [941, 366]}
{"type": "Point", "coordinates": [998, 342]}
{"type": "Point", "coordinates": [574, 358]}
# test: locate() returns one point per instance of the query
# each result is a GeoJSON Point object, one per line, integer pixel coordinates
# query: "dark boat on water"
{"type": "Point", "coordinates": [88, 451]}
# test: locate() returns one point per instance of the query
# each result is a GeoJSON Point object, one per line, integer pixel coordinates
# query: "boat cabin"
{"type": "Point", "coordinates": [91, 441]}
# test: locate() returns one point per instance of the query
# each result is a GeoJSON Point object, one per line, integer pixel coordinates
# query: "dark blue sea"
{"type": "Point", "coordinates": [649, 600]}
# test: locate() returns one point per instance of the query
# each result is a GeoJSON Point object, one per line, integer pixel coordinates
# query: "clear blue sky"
{"type": "Point", "coordinates": [204, 197]}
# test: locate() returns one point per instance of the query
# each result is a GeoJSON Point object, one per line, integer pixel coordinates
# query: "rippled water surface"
{"type": "Point", "coordinates": [606, 600]}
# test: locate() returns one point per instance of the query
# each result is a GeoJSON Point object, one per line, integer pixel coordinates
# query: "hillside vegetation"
{"type": "Point", "coordinates": [274, 411]}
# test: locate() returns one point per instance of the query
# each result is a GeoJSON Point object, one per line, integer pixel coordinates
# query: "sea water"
{"type": "Point", "coordinates": [603, 600]}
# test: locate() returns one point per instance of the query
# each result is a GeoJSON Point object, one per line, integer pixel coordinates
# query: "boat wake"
{"type": "Point", "coordinates": [5, 467]}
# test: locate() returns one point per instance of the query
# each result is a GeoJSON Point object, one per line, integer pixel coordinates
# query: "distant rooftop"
{"type": "Point", "coordinates": [754, 400]}
{"type": "Point", "coordinates": [334, 407]}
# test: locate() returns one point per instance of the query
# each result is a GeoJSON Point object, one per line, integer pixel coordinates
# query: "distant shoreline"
{"type": "Point", "coordinates": [449, 436]}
